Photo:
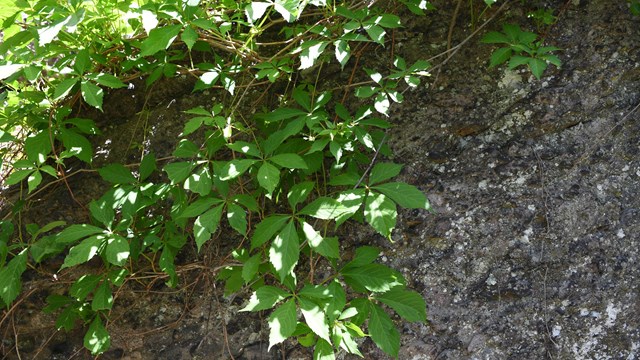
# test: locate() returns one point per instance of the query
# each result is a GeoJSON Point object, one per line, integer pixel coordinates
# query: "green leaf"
{"type": "Point", "coordinates": [499, 56]}
{"type": "Point", "coordinates": [235, 168]}
{"type": "Point", "coordinates": [250, 268]}
{"type": "Point", "coordinates": [256, 10]}
{"type": "Point", "coordinates": [102, 211]}
{"type": "Point", "coordinates": [537, 67]}
{"type": "Point", "coordinates": [282, 114]}
{"type": "Point", "coordinates": [268, 177]}
{"type": "Point", "coordinates": [311, 51]}
{"type": "Point", "coordinates": [34, 179]}
{"type": "Point", "coordinates": [315, 318]}
{"type": "Point", "coordinates": [289, 9]}
{"type": "Point", "coordinates": [189, 37]}
{"type": "Point", "coordinates": [384, 171]}
{"type": "Point", "coordinates": [405, 195]}
{"type": "Point", "coordinates": [245, 148]}
{"type": "Point", "coordinates": [247, 201]}
{"type": "Point", "coordinates": [408, 304]}
{"type": "Point", "coordinates": [92, 94]}
{"type": "Point", "coordinates": [494, 37]}
{"type": "Point", "coordinates": [373, 277]}
{"type": "Point", "coordinates": [324, 208]}
{"type": "Point", "coordinates": [366, 91]}
{"type": "Point", "coordinates": [285, 251]}
{"type": "Point", "coordinates": [186, 149]}
{"type": "Point", "coordinates": [97, 339]}
{"type": "Point", "coordinates": [237, 218]}
{"type": "Point", "coordinates": [352, 200]}
{"type": "Point", "coordinates": [200, 182]}
{"type": "Point", "coordinates": [109, 80]}
{"type": "Point", "coordinates": [67, 318]}
{"type": "Point", "coordinates": [18, 175]}
{"type": "Point", "coordinates": [299, 193]}
{"type": "Point", "coordinates": [77, 144]}
{"type": "Point", "coordinates": [380, 212]}
{"type": "Point", "coordinates": [382, 103]}
{"type": "Point", "coordinates": [178, 171]}
{"type": "Point", "coordinates": [117, 174]}
{"type": "Point", "coordinates": [83, 62]}
{"type": "Point", "coordinates": [385, 20]}
{"type": "Point", "coordinates": [518, 60]}
{"type": "Point", "coordinates": [277, 138]}
{"type": "Point", "coordinates": [267, 229]}
{"type": "Point", "coordinates": [84, 251]}
{"type": "Point", "coordinates": [383, 331]}
{"type": "Point", "coordinates": [38, 147]}
{"type": "Point", "coordinates": [323, 351]}
{"type": "Point", "coordinates": [206, 225]}
{"type": "Point", "coordinates": [265, 298]}
{"type": "Point", "coordinates": [63, 88]}
{"type": "Point", "coordinates": [376, 33]}
{"type": "Point", "coordinates": [147, 166]}
{"type": "Point", "coordinates": [364, 255]}
{"type": "Point", "coordinates": [10, 278]}
{"type": "Point", "coordinates": [76, 232]}
{"type": "Point", "coordinates": [117, 251]}
{"type": "Point", "coordinates": [336, 302]}
{"type": "Point", "coordinates": [102, 298]}
{"type": "Point", "coordinates": [199, 206]}
{"type": "Point", "coordinates": [289, 161]}
{"type": "Point", "coordinates": [82, 287]}
{"type": "Point", "coordinates": [282, 323]}
{"type": "Point", "coordinates": [159, 39]}
{"type": "Point", "coordinates": [327, 247]}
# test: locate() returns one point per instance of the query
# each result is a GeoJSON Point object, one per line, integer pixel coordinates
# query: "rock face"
{"type": "Point", "coordinates": [533, 249]}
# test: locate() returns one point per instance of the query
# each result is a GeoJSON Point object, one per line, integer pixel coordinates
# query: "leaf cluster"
{"type": "Point", "coordinates": [521, 48]}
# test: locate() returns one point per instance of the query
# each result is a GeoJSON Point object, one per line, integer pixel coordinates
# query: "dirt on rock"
{"type": "Point", "coordinates": [533, 247]}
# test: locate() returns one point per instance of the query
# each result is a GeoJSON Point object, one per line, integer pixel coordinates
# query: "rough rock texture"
{"type": "Point", "coordinates": [532, 251]}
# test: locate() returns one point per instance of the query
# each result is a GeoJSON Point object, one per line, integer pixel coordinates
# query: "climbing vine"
{"type": "Point", "coordinates": [283, 180]}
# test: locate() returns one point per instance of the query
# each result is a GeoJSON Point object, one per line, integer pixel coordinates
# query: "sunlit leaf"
{"type": "Point", "coordinates": [285, 250]}
{"type": "Point", "coordinates": [159, 39]}
{"type": "Point", "coordinates": [380, 212]}
{"type": "Point", "coordinates": [282, 323]}
{"type": "Point", "coordinates": [97, 339]}
{"type": "Point", "coordinates": [265, 298]}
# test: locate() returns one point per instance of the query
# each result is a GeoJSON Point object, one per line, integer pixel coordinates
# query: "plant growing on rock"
{"type": "Point", "coordinates": [283, 180]}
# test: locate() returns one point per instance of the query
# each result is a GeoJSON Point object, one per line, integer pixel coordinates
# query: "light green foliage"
{"type": "Point", "coordinates": [522, 48]}
{"type": "Point", "coordinates": [277, 184]}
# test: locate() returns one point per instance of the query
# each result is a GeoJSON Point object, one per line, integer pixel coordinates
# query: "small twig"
{"type": "Point", "coordinates": [373, 161]}
{"type": "Point", "coordinates": [453, 24]}
{"type": "Point", "coordinates": [454, 50]}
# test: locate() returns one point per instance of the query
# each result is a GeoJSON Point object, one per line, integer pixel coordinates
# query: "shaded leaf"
{"type": "Point", "coordinates": [267, 228]}
{"type": "Point", "coordinates": [10, 278]}
{"type": "Point", "coordinates": [408, 304]}
{"type": "Point", "coordinates": [237, 218]}
{"type": "Point", "coordinates": [117, 174]}
{"type": "Point", "coordinates": [405, 195]}
{"type": "Point", "coordinates": [383, 332]}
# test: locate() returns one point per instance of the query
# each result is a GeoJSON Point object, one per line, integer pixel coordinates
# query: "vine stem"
{"type": "Point", "coordinates": [373, 161]}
